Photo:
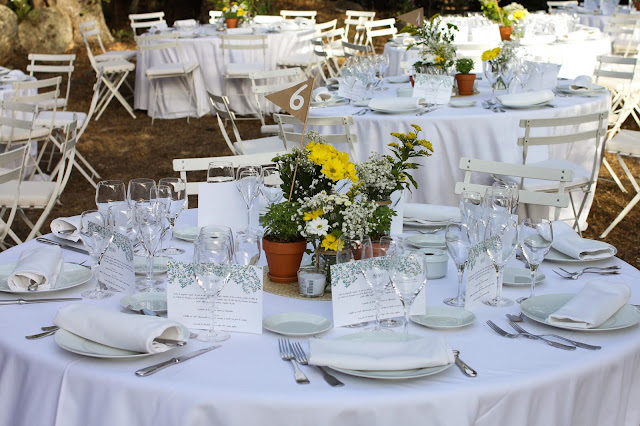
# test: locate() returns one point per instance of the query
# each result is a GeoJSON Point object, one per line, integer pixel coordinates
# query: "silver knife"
{"type": "Point", "coordinates": [463, 366]}
{"type": "Point", "coordinates": [173, 361]}
{"type": "Point", "coordinates": [62, 245]}
{"type": "Point", "coordinates": [28, 301]}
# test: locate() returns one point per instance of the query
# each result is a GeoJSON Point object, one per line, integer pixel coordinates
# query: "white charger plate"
{"type": "Point", "coordinates": [519, 277]}
{"type": "Point", "coordinates": [187, 234]}
{"type": "Point", "coordinates": [159, 264]}
{"type": "Point", "coordinates": [557, 256]}
{"type": "Point", "coordinates": [296, 324]}
{"type": "Point", "coordinates": [444, 317]}
{"type": "Point", "coordinates": [154, 301]}
{"type": "Point", "coordinates": [388, 374]}
{"type": "Point", "coordinates": [426, 241]}
{"type": "Point", "coordinates": [538, 308]}
{"type": "Point", "coordinates": [72, 275]}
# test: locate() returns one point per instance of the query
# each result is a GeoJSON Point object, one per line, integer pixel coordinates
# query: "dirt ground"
{"type": "Point", "coordinates": [122, 148]}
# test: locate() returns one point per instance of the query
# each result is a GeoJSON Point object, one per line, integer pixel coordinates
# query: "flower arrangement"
{"type": "Point", "coordinates": [464, 65]}
{"type": "Point", "coordinates": [515, 12]}
{"type": "Point", "coordinates": [495, 13]}
{"type": "Point", "coordinates": [500, 55]}
{"type": "Point", "coordinates": [408, 147]}
{"type": "Point", "coordinates": [437, 44]}
{"type": "Point", "coordinates": [235, 11]}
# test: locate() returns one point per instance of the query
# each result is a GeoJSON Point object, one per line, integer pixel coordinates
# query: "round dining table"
{"type": "Point", "coordinates": [245, 382]}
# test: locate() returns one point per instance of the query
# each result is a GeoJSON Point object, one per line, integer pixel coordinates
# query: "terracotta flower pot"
{"type": "Point", "coordinates": [283, 260]}
{"type": "Point", "coordinates": [505, 33]}
{"type": "Point", "coordinates": [231, 22]}
{"type": "Point", "coordinates": [638, 5]}
{"type": "Point", "coordinates": [465, 84]}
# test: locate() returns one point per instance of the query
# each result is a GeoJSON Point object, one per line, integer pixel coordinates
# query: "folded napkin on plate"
{"type": "Point", "coordinates": [430, 212]}
{"type": "Point", "coordinates": [581, 82]}
{"type": "Point", "coordinates": [381, 355]}
{"type": "Point", "coordinates": [567, 241]}
{"type": "Point", "coordinates": [526, 98]}
{"type": "Point", "coordinates": [61, 224]}
{"type": "Point", "coordinates": [119, 330]}
{"type": "Point", "coordinates": [185, 23]}
{"type": "Point", "coordinates": [395, 104]}
{"type": "Point", "coordinates": [592, 306]}
{"type": "Point", "coordinates": [321, 94]}
{"type": "Point", "coordinates": [239, 31]}
{"type": "Point", "coordinates": [39, 264]}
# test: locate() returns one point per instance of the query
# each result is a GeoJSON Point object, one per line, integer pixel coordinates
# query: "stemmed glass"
{"type": "Point", "coordinates": [535, 237]}
{"type": "Point", "coordinates": [212, 269]}
{"type": "Point", "coordinates": [408, 275]}
{"type": "Point", "coordinates": [507, 73]}
{"type": "Point", "coordinates": [381, 65]}
{"type": "Point", "coordinates": [497, 199]}
{"type": "Point", "coordinates": [109, 192]}
{"type": "Point", "coordinates": [247, 249]}
{"type": "Point", "coordinates": [96, 236]}
{"type": "Point", "coordinates": [501, 240]}
{"type": "Point", "coordinates": [375, 270]}
{"type": "Point", "coordinates": [458, 244]}
{"type": "Point", "coordinates": [470, 202]}
{"type": "Point", "coordinates": [271, 184]}
{"type": "Point", "coordinates": [220, 171]}
{"type": "Point", "coordinates": [120, 218]}
{"type": "Point", "coordinates": [387, 247]}
{"type": "Point", "coordinates": [490, 71]}
{"type": "Point", "coordinates": [512, 190]}
{"type": "Point", "coordinates": [150, 220]}
{"type": "Point", "coordinates": [248, 181]}
{"type": "Point", "coordinates": [139, 190]}
{"type": "Point", "coordinates": [351, 249]}
{"type": "Point", "coordinates": [174, 191]}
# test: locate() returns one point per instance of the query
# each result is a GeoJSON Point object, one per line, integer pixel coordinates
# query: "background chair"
{"type": "Point", "coordinates": [352, 49]}
{"type": "Point", "coordinates": [214, 15]}
{"type": "Point", "coordinates": [11, 173]}
{"type": "Point", "coordinates": [381, 28]}
{"type": "Point", "coordinates": [60, 65]}
{"type": "Point", "coordinates": [265, 82]}
{"type": "Point", "coordinates": [552, 5]}
{"type": "Point", "coordinates": [356, 19]}
{"type": "Point", "coordinates": [292, 14]}
{"type": "Point", "coordinates": [240, 68]}
{"type": "Point", "coordinates": [90, 31]}
{"type": "Point", "coordinates": [624, 33]}
{"type": "Point", "coordinates": [143, 21]}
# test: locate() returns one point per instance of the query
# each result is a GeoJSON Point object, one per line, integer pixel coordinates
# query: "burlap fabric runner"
{"type": "Point", "coordinates": [288, 290]}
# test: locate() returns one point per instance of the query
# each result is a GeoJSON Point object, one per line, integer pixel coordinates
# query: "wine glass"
{"type": "Point", "coordinates": [507, 73]}
{"type": "Point", "coordinates": [458, 244]}
{"type": "Point", "coordinates": [109, 192]}
{"type": "Point", "coordinates": [174, 191]}
{"type": "Point", "coordinates": [271, 184]}
{"type": "Point", "coordinates": [139, 190]}
{"type": "Point", "coordinates": [535, 237]}
{"type": "Point", "coordinates": [381, 65]}
{"type": "Point", "coordinates": [408, 275]}
{"type": "Point", "coordinates": [514, 193]}
{"type": "Point", "coordinates": [501, 240]}
{"type": "Point", "coordinates": [120, 218]}
{"type": "Point", "coordinates": [248, 181]}
{"type": "Point", "coordinates": [212, 269]}
{"type": "Point", "coordinates": [150, 220]}
{"type": "Point", "coordinates": [220, 171]}
{"type": "Point", "coordinates": [497, 199]}
{"type": "Point", "coordinates": [351, 249]}
{"type": "Point", "coordinates": [246, 249]}
{"type": "Point", "coordinates": [376, 273]}
{"type": "Point", "coordinates": [387, 247]}
{"type": "Point", "coordinates": [470, 202]}
{"type": "Point", "coordinates": [490, 71]}
{"type": "Point", "coordinates": [96, 237]}
{"type": "Point", "coordinates": [217, 230]}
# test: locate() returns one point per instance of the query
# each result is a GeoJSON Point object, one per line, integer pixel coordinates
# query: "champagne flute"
{"type": "Point", "coordinates": [220, 171]}
{"type": "Point", "coordinates": [150, 220]}
{"type": "Point", "coordinates": [458, 244]}
{"type": "Point", "coordinates": [351, 249]}
{"type": "Point", "coordinates": [212, 269]}
{"type": "Point", "coordinates": [176, 195]}
{"type": "Point", "coordinates": [535, 237]}
{"type": "Point", "coordinates": [248, 181]}
{"type": "Point", "coordinates": [271, 184]}
{"type": "Point", "coordinates": [501, 240]}
{"type": "Point", "coordinates": [408, 276]}
{"type": "Point", "coordinates": [120, 218]}
{"type": "Point", "coordinates": [490, 71]}
{"type": "Point", "coordinates": [96, 237]}
{"type": "Point", "coordinates": [109, 192]}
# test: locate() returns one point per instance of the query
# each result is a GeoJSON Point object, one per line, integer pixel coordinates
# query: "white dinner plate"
{"type": "Point", "coordinates": [334, 101]}
{"type": "Point", "coordinates": [445, 317]}
{"type": "Point", "coordinates": [159, 264]}
{"type": "Point", "coordinates": [398, 111]}
{"type": "Point", "coordinates": [72, 275]}
{"type": "Point", "coordinates": [362, 103]}
{"type": "Point", "coordinates": [13, 78]}
{"type": "Point", "coordinates": [462, 103]}
{"type": "Point", "coordinates": [533, 106]}
{"type": "Point", "coordinates": [594, 90]}
{"type": "Point", "coordinates": [538, 308]}
{"type": "Point", "coordinates": [519, 277]}
{"type": "Point", "coordinates": [388, 374]}
{"type": "Point", "coordinates": [81, 346]}
{"type": "Point", "coordinates": [423, 223]}
{"type": "Point", "coordinates": [156, 302]}
{"type": "Point", "coordinates": [427, 241]}
{"type": "Point", "coordinates": [187, 234]}
{"type": "Point", "coordinates": [557, 256]}
{"type": "Point", "coordinates": [296, 324]}
{"type": "Point", "coordinates": [397, 79]}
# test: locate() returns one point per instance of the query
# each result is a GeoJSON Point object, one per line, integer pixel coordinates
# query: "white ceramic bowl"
{"type": "Point", "coordinates": [437, 261]}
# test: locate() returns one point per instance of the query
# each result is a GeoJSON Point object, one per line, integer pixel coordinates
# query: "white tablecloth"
{"type": "Point", "coordinates": [206, 51]}
{"type": "Point", "coordinates": [246, 383]}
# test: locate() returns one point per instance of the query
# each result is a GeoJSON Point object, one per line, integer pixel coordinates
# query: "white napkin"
{"type": "Point", "coordinates": [593, 305]}
{"type": "Point", "coordinates": [39, 264]}
{"type": "Point", "coordinates": [288, 26]}
{"type": "Point", "coordinates": [321, 94]}
{"type": "Point", "coordinates": [267, 19]}
{"type": "Point", "coordinates": [13, 75]}
{"type": "Point", "coordinates": [185, 23]}
{"type": "Point", "coordinates": [239, 31]}
{"type": "Point", "coordinates": [430, 212]}
{"type": "Point", "coordinates": [158, 27]}
{"type": "Point", "coordinates": [395, 104]}
{"type": "Point", "coordinates": [581, 82]}
{"type": "Point", "coordinates": [424, 352]}
{"type": "Point", "coordinates": [66, 224]}
{"type": "Point", "coordinates": [117, 329]}
{"type": "Point", "coordinates": [567, 241]}
{"type": "Point", "coordinates": [526, 98]}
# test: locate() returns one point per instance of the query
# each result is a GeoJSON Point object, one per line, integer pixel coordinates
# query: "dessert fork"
{"type": "Point", "coordinates": [513, 336]}
{"type": "Point", "coordinates": [287, 355]}
{"type": "Point", "coordinates": [573, 342]}
{"type": "Point", "coordinates": [301, 357]}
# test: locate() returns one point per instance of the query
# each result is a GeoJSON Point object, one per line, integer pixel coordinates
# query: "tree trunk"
{"type": "Point", "coordinates": [83, 11]}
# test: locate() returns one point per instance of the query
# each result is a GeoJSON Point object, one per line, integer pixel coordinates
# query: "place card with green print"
{"type": "Point", "coordinates": [238, 307]}
{"type": "Point", "coordinates": [434, 89]}
{"type": "Point", "coordinates": [116, 267]}
{"type": "Point", "coordinates": [481, 277]}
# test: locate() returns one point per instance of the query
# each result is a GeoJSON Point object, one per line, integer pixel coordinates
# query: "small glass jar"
{"type": "Point", "coordinates": [312, 281]}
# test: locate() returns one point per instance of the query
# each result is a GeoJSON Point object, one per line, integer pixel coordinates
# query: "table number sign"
{"type": "Point", "coordinates": [238, 307]}
{"type": "Point", "coordinates": [116, 267]}
{"type": "Point", "coordinates": [435, 89]}
{"type": "Point", "coordinates": [481, 277]}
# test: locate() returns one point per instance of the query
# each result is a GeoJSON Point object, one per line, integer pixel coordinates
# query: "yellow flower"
{"type": "Point", "coordinates": [439, 59]}
{"type": "Point", "coordinates": [416, 127]}
{"type": "Point", "coordinates": [330, 242]}
{"type": "Point", "coordinates": [393, 144]}
{"type": "Point", "coordinates": [240, 12]}
{"type": "Point", "coordinates": [224, 9]}
{"type": "Point", "coordinates": [313, 215]}
{"type": "Point", "coordinates": [518, 14]}
{"type": "Point", "coordinates": [488, 55]}
{"type": "Point", "coordinates": [333, 169]}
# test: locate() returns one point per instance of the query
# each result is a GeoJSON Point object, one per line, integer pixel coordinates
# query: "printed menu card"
{"type": "Point", "coordinates": [481, 277]}
{"type": "Point", "coordinates": [238, 308]}
{"type": "Point", "coordinates": [116, 267]}
{"type": "Point", "coordinates": [435, 89]}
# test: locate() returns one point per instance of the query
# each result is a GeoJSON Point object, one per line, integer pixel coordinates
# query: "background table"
{"type": "Point", "coordinates": [245, 382]}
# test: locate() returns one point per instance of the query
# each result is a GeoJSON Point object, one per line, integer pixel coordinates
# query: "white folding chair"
{"type": "Point", "coordinates": [352, 49]}
{"type": "Point", "coordinates": [265, 82]}
{"type": "Point", "coordinates": [90, 31]}
{"type": "Point", "coordinates": [185, 165]}
{"type": "Point", "coordinates": [241, 46]}
{"type": "Point", "coordinates": [581, 129]}
{"type": "Point", "coordinates": [305, 60]}
{"type": "Point", "coordinates": [357, 18]}
{"type": "Point", "coordinates": [175, 65]}
{"type": "Point", "coordinates": [143, 21]}
{"type": "Point", "coordinates": [292, 138]}
{"type": "Point", "coordinates": [326, 26]}
{"type": "Point", "coordinates": [624, 32]}
{"type": "Point", "coordinates": [293, 14]}
{"type": "Point", "coordinates": [214, 15]}
{"type": "Point", "coordinates": [53, 64]}
{"type": "Point", "coordinates": [381, 28]}
{"type": "Point", "coordinates": [11, 173]}
{"type": "Point", "coordinates": [552, 5]}
{"type": "Point", "coordinates": [220, 108]}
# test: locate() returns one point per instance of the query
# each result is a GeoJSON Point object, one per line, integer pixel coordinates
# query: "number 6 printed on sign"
{"type": "Point", "coordinates": [295, 100]}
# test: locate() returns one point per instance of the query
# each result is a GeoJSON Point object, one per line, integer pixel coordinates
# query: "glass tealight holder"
{"type": "Point", "coordinates": [312, 281]}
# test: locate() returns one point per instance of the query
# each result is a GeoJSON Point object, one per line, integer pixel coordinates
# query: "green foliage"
{"type": "Point", "coordinates": [438, 48]}
{"type": "Point", "coordinates": [281, 222]}
{"type": "Point", "coordinates": [409, 146]}
{"type": "Point", "coordinates": [494, 12]}
{"type": "Point", "coordinates": [381, 221]}
{"type": "Point", "coordinates": [122, 35]}
{"type": "Point", "coordinates": [464, 65]}
{"type": "Point", "coordinates": [22, 9]}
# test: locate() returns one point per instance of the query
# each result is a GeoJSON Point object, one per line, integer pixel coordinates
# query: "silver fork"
{"type": "Point", "coordinates": [573, 342]}
{"type": "Point", "coordinates": [591, 269]}
{"type": "Point", "coordinates": [287, 355]}
{"type": "Point", "coordinates": [575, 275]}
{"type": "Point", "coordinates": [513, 336]}
{"type": "Point", "coordinates": [301, 357]}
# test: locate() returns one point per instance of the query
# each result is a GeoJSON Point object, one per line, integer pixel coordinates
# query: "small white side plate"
{"type": "Point", "coordinates": [397, 79]}
{"type": "Point", "coordinates": [72, 275]}
{"type": "Point", "coordinates": [296, 324]}
{"type": "Point", "coordinates": [444, 317]}
{"type": "Point", "coordinates": [187, 234]}
{"type": "Point", "coordinates": [518, 277]}
{"type": "Point", "coordinates": [427, 241]}
{"type": "Point", "coordinates": [156, 302]}
{"type": "Point", "coordinates": [462, 103]}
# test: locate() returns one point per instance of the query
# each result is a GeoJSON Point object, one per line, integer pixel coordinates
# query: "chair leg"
{"type": "Point", "coordinates": [576, 224]}
{"type": "Point", "coordinates": [621, 216]}
{"type": "Point", "coordinates": [613, 175]}
{"type": "Point", "coordinates": [628, 173]}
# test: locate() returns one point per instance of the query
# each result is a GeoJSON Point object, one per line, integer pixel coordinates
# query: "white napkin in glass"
{"type": "Point", "coordinates": [395, 104]}
{"type": "Point", "coordinates": [430, 212]}
{"type": "Point", "coordinates": [39, 264]}
{"type": "Point", "coordinates": [117, 329]}
{"type": "Point", "coordinates": [381, 355]}
{"type": "Point", "coordinates": [567, 241]}
{"type": "Point", "coordinates": [321, 94]}
{"type": "Point", "coordinates": [593, 305]}
{"type": "Point", "coordinates": [62, 224]}
{"type": "Point", "coordinates": [581, 82]}
{"type": "Point", "coordinates": [526, 98]}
